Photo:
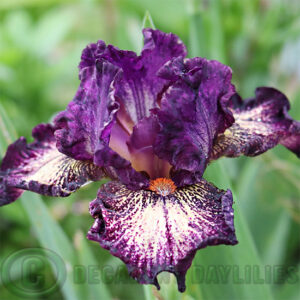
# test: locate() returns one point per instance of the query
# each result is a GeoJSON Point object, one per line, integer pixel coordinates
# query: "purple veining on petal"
{"type": "Point", "coordinates": [41, 168]}
{"type": "Point", "coordinates": [260, 124]}
{"type": "Point", "coordinates": [152, 233]}
{"type": "Point", "coordinates": [139, 87]}
{"type": "Point", "coordinates": [194, 110]}
{"type": "Point", "coordinates": [86, 124]}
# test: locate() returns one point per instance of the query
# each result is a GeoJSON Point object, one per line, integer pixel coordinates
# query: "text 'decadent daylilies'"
{"type": "Point", "coordinates": [151, 123]}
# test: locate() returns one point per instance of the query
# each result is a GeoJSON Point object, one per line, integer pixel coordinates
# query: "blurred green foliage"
{"type": "Point", "coordinates": [40, 46]}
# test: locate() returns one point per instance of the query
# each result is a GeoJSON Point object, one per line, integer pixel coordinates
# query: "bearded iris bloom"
{"type": "Point", "coordinates": [152, 124]}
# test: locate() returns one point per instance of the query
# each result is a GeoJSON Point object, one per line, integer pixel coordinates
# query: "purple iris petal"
{"type": "Point", "coordinates": [193, 112]}
{"type": "Point", "coordinates": [41, 168]}
{"type": "Point", "coordinates": [120, 168]}
{"type": "Point", "coordinates": [86, 124]}
{"type": "Point", "coordinates": [260, 124]}
{"type": "Point", "coordinates": [141, 149]}
{"type": "Point", "coordinates": [153, 233]}
{"type": "Point", "coordinates": [139, 87]}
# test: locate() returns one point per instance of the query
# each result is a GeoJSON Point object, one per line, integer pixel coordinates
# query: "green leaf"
{"type": "Point", "coordinates": [51, 236]}
{"type": "Point", "coordinates": [87, 261]}
{"type": "Point", "coordinates": [198, 45]}
{"type": "Point", "coordinates": [147, 21]}
{"type": "Point", "coordinates": [275, 247]}
{"type": "Point", "coordinates": [7, 132]}
{"type": "Point", "coordinates": [217, 44]}
{"type": "Point", "coordinates": [206, 35]}
{"type": "Point", "coordinates": [148, 292]}
{"type": "Point", "coordinates": [290, 290]}
{"type": "Point", "coordinates": [169, 289]}
{"type": "Point", "coordinates": [274, 243]}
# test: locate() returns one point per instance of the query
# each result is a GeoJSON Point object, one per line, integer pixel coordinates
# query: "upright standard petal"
{"type": "Point", "coordinates": [41, 168]}
{"type": "Point", "coordinates": [139, 88]}
{"type": "Point", "coordinates": [86, 124]}
{"type": "Point", "coordinates": [194, 110]}
{"type": "Point", "coordinates": [153, 233]}
{"type": "Point", "coordinates": [260, 124]}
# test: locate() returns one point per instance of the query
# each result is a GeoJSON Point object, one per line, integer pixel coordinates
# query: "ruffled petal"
{"type": "Point", "coordinates": [139, 87]}
{"type": "Point", "coordinates": [85, 126]}
{"type": "Point", "coordinates": [117, 89]}
{"type": "Point", "coordinates": [260, 124]}
{"type": "Point", "coordinates": [153, 233]}
{"type": "Point", "coordinates": [194, 110]}
{"type": "Point", "coordinates": [41, 168]}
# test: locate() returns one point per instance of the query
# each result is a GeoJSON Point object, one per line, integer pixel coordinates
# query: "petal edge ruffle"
{"type": "Point", "coordinates": [85, 125]}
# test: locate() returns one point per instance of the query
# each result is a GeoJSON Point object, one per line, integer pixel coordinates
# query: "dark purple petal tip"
{"type": "Point", "coordinates": [153, 233]}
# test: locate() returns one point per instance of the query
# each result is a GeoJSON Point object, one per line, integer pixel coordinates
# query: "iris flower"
{"type": "Point", "coordinates": [152, 124]}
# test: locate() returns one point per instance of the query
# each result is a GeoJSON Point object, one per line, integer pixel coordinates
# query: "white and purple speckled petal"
{"type": "Point", "coordinates": [153, 233]}
{"type": "Point", "coordinates": [41, 168]}
{"type": "Point", "coordinates": [260, 124]}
